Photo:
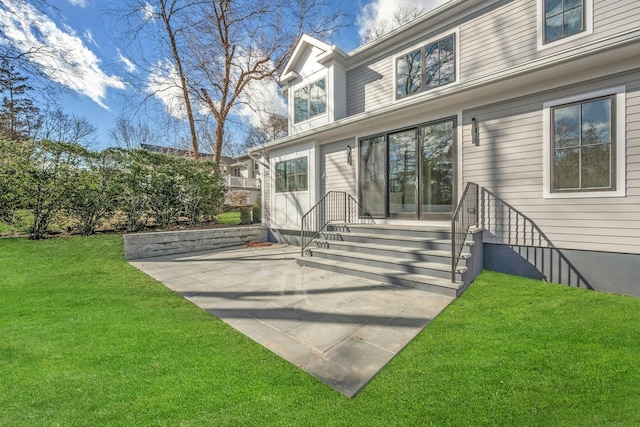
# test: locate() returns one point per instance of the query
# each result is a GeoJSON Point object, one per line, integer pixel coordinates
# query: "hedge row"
{"type": "Point", "coordinates": [52, 178]}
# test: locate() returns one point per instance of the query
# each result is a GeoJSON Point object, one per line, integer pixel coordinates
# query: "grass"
{"type": "Point", "coordinates": [22, 223]}
{"type": "Point", "coordinates": [86, 339]}
{"type": "Point", "coordinates": [231, 217]}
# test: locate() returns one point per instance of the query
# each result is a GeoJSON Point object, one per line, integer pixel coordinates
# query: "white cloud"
{"type": "Point", "coordinates": [79, 3]}
{"type": "Point", "coordinates": [89, 37]}
{"type": "Point", "coordinates": [164, 83]}
{"type": "Point", "coordinates": [260, 99]}
{"type": "Point", "coordinates": [380, 11]}
{"type": "Point", "coordinates": [128, 64]}
{"type": "Point", "coordinates": [148, 12]}
{"type": "Point", "coordinates": [61, 53]}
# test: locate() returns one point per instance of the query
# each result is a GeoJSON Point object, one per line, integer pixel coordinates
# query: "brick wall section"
{"type": "Point", "coordinates": [148, 245]}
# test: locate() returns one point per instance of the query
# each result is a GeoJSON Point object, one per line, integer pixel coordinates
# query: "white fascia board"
{"type": "Point", "coordinates": [334, 53]}
{"type": "Point", "coordinates": [304, 41]}
{"type": "Point", "coordinates": [431, 22]}
{"type": "Point", "coordinates": [286, 78]}
{"type": "Point", "coordinates": [606, 45]}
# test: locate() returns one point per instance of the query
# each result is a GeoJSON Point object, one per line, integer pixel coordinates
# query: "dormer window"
{"type": "Point", "coordinates": [310, 101]}
{"type": "Point", "coordinates": [423, 69]}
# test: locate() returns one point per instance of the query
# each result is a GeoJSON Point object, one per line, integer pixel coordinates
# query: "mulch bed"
{"type": "Point", "coordinates": [258, 244]}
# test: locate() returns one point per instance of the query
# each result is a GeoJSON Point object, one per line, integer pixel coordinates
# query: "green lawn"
{"type": "Point", "coordinates": [23, 221]}
{"type": "Point", "coordinates": [231, 217]}
{"type": "Point", "coordinates": [86, 339]}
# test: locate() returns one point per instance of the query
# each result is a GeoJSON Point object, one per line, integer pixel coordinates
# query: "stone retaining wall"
{"type": "Point", "coordinates": [147, 245]}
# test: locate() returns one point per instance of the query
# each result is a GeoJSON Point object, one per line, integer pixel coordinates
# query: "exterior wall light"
{"type": "Point", "coordinates": [475, 135]}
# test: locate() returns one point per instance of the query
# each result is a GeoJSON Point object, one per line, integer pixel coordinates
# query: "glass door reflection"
{"type": "Point", "coordinates": [402, 174]}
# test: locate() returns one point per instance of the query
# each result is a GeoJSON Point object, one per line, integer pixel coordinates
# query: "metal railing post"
{"type": "Point", "coordinates": [461, 221]}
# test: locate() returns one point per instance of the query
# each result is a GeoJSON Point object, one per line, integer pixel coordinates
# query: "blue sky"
{"type": "Point", "coordinates": [98, 85]}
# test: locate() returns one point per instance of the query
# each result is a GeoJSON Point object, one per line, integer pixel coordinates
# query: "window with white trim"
{"type": "Point", "coordinates": [562, 18]}
{"type": "Point", "coordinates": [309, 101]}
{"type": "Point", "coordinates": [561, 21]}
{"type": "Point", "coordinates": [291, 175]}
{"type": "Point", "coordinates": [428, 67]}
{"type": "Point", "coordinates": [584, 145]}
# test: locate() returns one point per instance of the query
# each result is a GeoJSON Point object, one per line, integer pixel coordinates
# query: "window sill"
{"type": "Point", "coordinates": [584, 194]}
{"type": "Point", "coordinates": [291, 191]}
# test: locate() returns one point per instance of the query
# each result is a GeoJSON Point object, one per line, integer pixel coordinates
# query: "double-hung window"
{"type": "Point", "coordinates": [291, 175]}
{"type": "Point", "coordinates": [428, 67]}
{"type": "Point", "coordinates": [310, 101]}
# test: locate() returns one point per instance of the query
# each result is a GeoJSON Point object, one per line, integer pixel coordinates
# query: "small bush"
{"type": "Point", "coordinates": [257, 212]}
{"type": "Point", "coordinates": [245, 215]}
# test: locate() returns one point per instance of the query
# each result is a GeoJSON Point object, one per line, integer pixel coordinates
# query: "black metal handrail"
{"type": "Point", "coordinates": [508, 225]}
{"type": "Point", "coordinates": [464, 217]}
{"type": "Point", "coordinates": [334, 206]}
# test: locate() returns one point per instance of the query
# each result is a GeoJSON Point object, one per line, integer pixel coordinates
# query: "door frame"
{"type": "Point", "coordinates": [418, 215]}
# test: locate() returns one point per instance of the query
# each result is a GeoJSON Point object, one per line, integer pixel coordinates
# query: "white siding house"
{"type": "Point", "coordinates": [535, 101]}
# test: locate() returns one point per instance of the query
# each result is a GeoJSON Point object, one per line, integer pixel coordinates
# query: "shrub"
{"type": "Point", "coordinates": [245, 215]}
{"type": "Point", "coordinates": [51, 175]}
{"type": "Point", "coordinates": [257, 212]}
{"type": "Point", "coordinates": [51, 179]}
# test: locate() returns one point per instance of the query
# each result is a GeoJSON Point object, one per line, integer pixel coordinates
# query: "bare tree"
{"type": "Point", "coordinates": [222, 48]}
{"type": "Point", "coordinates": [273, 127]}
{"type": "Point", "coordinates": [401, 16]}
{"type": "Point", "coordinates": [240, 43]}
{"type": "Point", "coordinates": [208, 139]}
{"type": "Point", "coordinates": [56, 125]}
{"type": "Point", "coordinates": [168, 10]}
{"type": "Point", "coordinates": [129, 134]}
{"type": "Point", "coordinates": [156, 35]}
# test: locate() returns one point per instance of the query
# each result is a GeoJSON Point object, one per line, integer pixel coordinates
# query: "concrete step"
{"type": "Point", "coordinates": [396, 230]}
{"type": "Point", "coordinates": [428, 243]}
{"type": "Point", "coordinates": [427, 283]}
{"type": "Point", "coordinates": [407, 253]}
{"type": "Point", "coordinates": [389, 262]}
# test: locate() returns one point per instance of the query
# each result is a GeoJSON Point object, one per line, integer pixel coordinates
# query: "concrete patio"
{"type": "Point", "coordinates": [338, 328]}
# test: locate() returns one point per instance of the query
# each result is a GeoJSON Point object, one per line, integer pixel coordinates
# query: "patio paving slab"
{"type": "Point", "coordinates": [338, 328]}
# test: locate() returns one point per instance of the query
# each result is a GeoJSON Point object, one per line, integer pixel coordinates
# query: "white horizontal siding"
{"type": "Point", "coordinates": [499, 39]}
{"type": "Point", "coordinates": [611, 17]}
{"type": "Point", "coordinates": [508, 162]}
{"type": "Point", "coordinates": [506, 36]}
{"type": "Point", "coordinates": [370, 86]}
{"type": "Point", "coordinates": [336, 173]}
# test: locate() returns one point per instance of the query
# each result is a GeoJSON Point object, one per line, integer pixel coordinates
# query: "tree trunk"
{"type": "Point", "coordinates": [166, 17]}
{"type": "Point", "coordinates": [219, 140]}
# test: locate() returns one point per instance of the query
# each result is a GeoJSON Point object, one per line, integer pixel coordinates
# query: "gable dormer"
{"type": "Point", "coordinates": [314, 84]}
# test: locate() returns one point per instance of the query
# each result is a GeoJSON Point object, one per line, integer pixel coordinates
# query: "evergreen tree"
{"type": "Point", "coordinates": [19, 117]}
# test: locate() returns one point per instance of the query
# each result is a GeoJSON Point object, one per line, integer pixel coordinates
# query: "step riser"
{"type": "Point", "coordinates": [382, 240]}
{"type": "Point", "coordinates": [403, 268]}
{"type": "Point", "coordinates": [385, 279]}
{"type": "Point", "coordinates": [435, 234]}
{"type": "Point", "coordinates": [388, 251]}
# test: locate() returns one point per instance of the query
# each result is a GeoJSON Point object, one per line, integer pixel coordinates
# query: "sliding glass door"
{"type": "Point", "coordinates": [402, 174]}
{"type": "Point", "coordinates": [373, 176]}
{"type": "Point", "coordinates": [436, 169]}
{"type": "Point", "coordinates": [409, 174]}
